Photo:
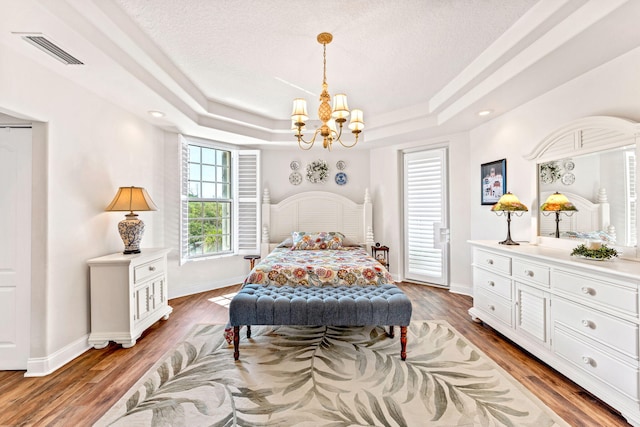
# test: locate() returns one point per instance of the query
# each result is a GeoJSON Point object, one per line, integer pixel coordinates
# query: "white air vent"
{"type": "Point", "coordinates": [46, 45]}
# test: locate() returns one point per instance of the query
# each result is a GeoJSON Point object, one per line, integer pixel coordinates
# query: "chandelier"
{"type": "Point", "coordinates": [329, 116]}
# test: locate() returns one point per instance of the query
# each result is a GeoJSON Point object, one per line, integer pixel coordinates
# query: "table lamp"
{"type": "Point", "coordinates": [131, 228]}
{"type": "Point", "coordinates": [556, 203]}
{"type": "Point", "coordinates": [508, 204]}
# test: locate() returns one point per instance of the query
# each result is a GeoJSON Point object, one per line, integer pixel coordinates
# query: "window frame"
{"type": "Point", "coordinates": [240, 227]}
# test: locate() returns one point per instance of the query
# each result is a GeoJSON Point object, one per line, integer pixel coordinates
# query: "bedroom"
{"type": "Point", "coordinates": [76, 129]}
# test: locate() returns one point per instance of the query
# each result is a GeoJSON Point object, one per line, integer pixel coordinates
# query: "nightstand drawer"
{"type": "Point", "coordinates": [492, 282]}
{"type": "Point", "coordinates": [494, 306]}
{"type": "Point", "coordinates": [608, 369]}
{"type": "Point", "coordinates": [616, 333]}
{"type": "Point", "coordinates": [492, 261]}
{"type": "Point", "coordinates": [524, 270]}
{"type": "Point", "coordinates": [597, 291]}
{"type": "Point", "coordinates": [147, 270]}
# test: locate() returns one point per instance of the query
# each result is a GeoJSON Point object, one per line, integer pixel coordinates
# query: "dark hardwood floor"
{"type": "Point", "coordinates": [84, 389]}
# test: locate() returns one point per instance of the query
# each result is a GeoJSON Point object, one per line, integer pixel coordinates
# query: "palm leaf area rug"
{"type": "Point", "coordinates": [329, 376]}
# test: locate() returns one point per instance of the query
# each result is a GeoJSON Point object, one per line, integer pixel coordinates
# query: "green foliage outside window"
{"type": "Point", "coordinates": [209, 201]}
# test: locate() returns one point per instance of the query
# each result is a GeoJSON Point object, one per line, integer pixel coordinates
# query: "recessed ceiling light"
{"type": "Point", "coordinates": [485, 112]}
{"type": "Point", "coordinates": [156, 113]}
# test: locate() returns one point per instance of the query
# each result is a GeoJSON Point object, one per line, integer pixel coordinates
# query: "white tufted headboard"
{"type": "Point", "coordinates": [315, 211]}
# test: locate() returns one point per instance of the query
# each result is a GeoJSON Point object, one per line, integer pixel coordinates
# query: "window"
{"type": "Point", "coordinates": [220, 200]}
{"type": "Point", "coordinates": [210, 201]}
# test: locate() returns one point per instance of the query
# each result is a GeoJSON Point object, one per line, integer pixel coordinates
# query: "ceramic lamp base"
{"type": "Point", "coordinates": [131, 231]}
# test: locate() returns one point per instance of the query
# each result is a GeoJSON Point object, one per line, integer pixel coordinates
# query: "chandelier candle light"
{"type": "Point", "coordinates": [131, 228]}
{"type": "Point", "coordinates": [508, 204]}
{"type": "Point", "coordinates": [329, 116]}
{"type": "Point", "coordinates": [556, 203]}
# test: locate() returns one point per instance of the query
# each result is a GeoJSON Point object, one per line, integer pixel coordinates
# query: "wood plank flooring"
{"type": "Point", "coordinates": [84, 389]}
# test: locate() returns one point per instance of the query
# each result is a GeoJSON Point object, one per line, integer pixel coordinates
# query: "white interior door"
{"type": "Point", "coordinates": [15, 247]}
{"type": "Point", "coordinates": [426, 235]}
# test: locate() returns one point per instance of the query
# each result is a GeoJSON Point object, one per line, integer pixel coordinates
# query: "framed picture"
{"type": "Point", "coordinates": [493, 181]}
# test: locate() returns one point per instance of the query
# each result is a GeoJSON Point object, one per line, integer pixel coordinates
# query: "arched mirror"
{"type": "Point", "coordinates": [593, 162]}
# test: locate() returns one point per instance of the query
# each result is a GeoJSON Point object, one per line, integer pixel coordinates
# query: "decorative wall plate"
{"type": "Point", "coordinates": [568, 178]}
{"type": "Point", "coordinates": [341, 178]}
{"type": "Point", "coordinates": [341, 165]}
{"type": "Point", "coordinates": [295, 165]}
{"type": "Point", "coordinates": [295, 178]}
{"type": "Point", "coordinates": [569, 165]}
{"type": "Point", "coordinates": [317, 172]}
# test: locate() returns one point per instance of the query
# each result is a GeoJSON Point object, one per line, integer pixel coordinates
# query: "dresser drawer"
{"type": "Point", "coordinates": [147, 270]}
{"type": "Point", "coordinates": [608, 369]}
{"type": "Point", "coordinates": [531, 272]}
{"type": "Point", "coordinates": [488, 281]}
{"type": "Point", "coordinates": [616, 333]}
{"type": "Point", "coordinates": [491, 261]}
{"type": "Point", "coordinates": [494, 306]}
{"type": "Point", "coordinates": [604, 294]}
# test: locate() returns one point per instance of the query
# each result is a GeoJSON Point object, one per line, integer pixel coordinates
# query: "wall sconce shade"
{"type": "Point", "coordinates": [508, 204]}
{"type": "Point", "coordinates": [131, 228]}
{"type": "Point", "coordinates": [556, 203]}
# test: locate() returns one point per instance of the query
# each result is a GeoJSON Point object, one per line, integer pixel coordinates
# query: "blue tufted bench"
{"type": "Point", "coordinates": [384, 305]}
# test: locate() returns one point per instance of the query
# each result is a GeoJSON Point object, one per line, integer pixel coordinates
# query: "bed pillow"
{"type": "Point", "coordinates": [286, 243]}
{"type": "Point", "coordinates": [303, 240]}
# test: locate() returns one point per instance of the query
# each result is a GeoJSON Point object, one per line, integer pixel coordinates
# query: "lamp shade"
{"type": "Point", "coordinates": [357, 121]}
{"type": "Point", "coordinates": [340, 107]}
{"type": "Point", "coordinates": [299, 113]}
{"type": "Point", "coordinates": [509, 202]}
{"type": "Point", "coordinates": [131, 228]}
{"type": "Point", "coordinates": [132, 199]}
{"type": "Point", "coordinates": [557, 202]}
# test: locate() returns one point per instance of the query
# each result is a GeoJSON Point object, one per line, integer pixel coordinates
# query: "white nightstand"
{"type": "Point", "coordinates": [128, 294]}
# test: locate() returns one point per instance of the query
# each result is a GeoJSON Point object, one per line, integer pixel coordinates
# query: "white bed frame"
{"type": "Point", "coordinates": [590, 216]}
{"type": "Point", "coordinates": [315, 211]}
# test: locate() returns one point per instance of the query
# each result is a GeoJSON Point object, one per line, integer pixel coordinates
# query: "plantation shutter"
{"type": "Point", "coordinates": [184, 199]}
{"type": "Point", "coordinates": [632, 200]}
{"type": "Point", "coordinates": [248, 184]}
{"type": "Point", "coordinates": [425, 206]}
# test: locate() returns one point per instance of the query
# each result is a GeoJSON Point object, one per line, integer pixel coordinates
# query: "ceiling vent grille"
{"type": "Point", "coordinates": [52, 49]}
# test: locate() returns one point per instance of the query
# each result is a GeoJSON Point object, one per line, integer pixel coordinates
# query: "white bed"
{"type": "Point", "coordinates": [316, 211]}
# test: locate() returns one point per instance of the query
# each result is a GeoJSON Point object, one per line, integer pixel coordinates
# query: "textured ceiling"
{"type": "Point", "coordinates": [228, 69]}
{"type": "Point", "coordinates": [385, 55]}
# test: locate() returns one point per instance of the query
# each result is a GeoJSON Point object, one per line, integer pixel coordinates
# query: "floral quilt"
{"type": "Point", "coordinates": [351, 266]}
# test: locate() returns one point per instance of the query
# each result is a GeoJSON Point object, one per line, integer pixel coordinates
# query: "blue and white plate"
{"type": "Point", "coordinates": [341, 178]}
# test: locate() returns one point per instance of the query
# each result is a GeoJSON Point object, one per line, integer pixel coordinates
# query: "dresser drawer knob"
{"type": "Point", "coordinates": [588, 324]}
{"type": "Point", "coordinates": [492, 308]}
{"type": "Point", "coordinates": [491, 283]}
{"type": "Point", "coordinates": [588, 291]}
{"type": "Point", "coordinates": [490, 261]}
{"type": "Point", "coordinates": [152, 268]}
{"type": "Point", "coordinates": [588, 361]}
{"type": "Point", "coordinates": [528, 273]}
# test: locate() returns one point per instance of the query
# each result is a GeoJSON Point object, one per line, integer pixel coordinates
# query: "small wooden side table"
{"type": "Point", "coordinates": [252, 259]}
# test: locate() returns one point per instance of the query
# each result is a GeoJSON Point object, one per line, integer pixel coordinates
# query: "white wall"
{"type": "Point", "coordinates": [276, 170]}
{"type": "Point", "coordinates": [87, 148]}
{"type": "Point", "coordinates": [611, 90]}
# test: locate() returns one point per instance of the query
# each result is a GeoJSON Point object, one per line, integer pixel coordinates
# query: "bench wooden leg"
{"type": "Point", "coordinates": [236, 342]}
{"type": "Point", "coordinates": [403, 342]}
{"type": "Point", "coordinates": [248, 331]}
{"type": "Point", "coordinates": [391, 331]}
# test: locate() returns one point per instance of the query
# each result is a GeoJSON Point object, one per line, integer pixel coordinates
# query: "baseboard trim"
{"type": "Point", "coordinates": [458, 288]}
{"type": "Point", "coordinates": [42, 366]}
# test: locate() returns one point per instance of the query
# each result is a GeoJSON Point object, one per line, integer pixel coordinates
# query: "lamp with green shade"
{"type": "Point", "coordinates": [556, 203]}
{"type": "Point", "coordinates": [508, 204]}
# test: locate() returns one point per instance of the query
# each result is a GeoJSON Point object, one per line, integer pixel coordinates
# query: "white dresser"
{"type": "Point", "coordinates": [128, 294]}
{"type": "Point", "coordinates": [579, 316]}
